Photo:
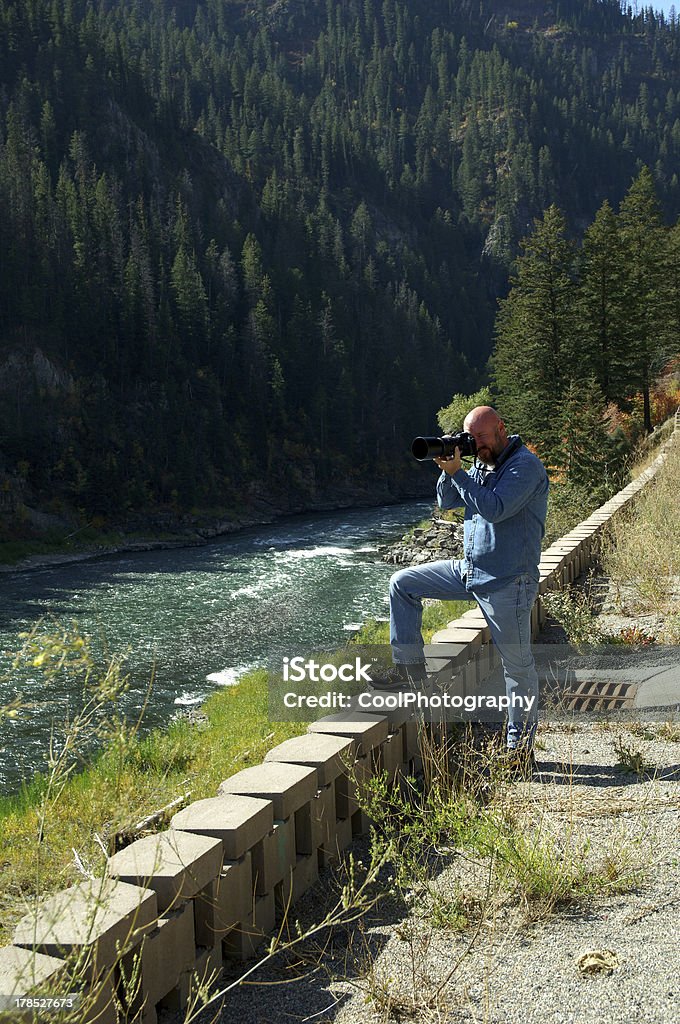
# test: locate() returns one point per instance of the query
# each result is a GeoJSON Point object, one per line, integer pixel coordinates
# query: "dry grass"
{"type": "Point", "coordinates": [642, 556]}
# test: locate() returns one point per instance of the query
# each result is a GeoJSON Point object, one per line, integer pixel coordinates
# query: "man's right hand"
{"type": "Point", "coordinates": [452, 464]}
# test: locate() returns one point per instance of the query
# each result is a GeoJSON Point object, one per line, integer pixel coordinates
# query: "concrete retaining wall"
{"type": "Point", "coordinates": [174, 905]}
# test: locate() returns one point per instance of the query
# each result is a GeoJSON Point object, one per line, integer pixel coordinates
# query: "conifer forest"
{"type": "Point", "coordinates": [252, 248]}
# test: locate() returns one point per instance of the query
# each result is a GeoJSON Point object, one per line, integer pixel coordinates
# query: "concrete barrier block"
{"type": "Point", "coordinates": [323, 820]}
{"type": "Point", "coordinates": [392, 756]}
{"type": "Point", "coordinates": [99, 917]}
{"type": "Point", "coordinates": [367, 730]}
{"type": "Point", "coordinates": [175, 864]}
{"type": "Point", "coordinates": [205, 909]}
{"type": "Point", "coordinates": [304, 844]}
{"type": "Point", "coordinates": [283, 897]}
{"type": "Point", "coordinates": [279, 855]}
{"type": "Point", "coordinates": [237, 821]}
{"type": "Point", "coordinates": [24, 972]}
{"type": "Point", "coordinates": [473, 620]}
{"type": "Point", "coordinates": [206, 970]}
{"type": "Point", "coordinates": [400, 737]}
{"type": "Point", "coordinates": [343, 834]}
{"type": "Point", "coordinates": [547, 582]}
{"type": "Point", "coordinates": [264, 916]}
{"type": "Point", "coordinates": [242, 941]}
{"type": "Point", "coordinates": [550, 565]}
{"type": "Point", "coordinates": [238, 944]}
{"type": "Point", "coordinates": [361, 823]}
{"type": "Point", "coordinates": [535, 619]}
{"type": "Point", "coordinates": [235, 894]}
{"type": "Point", "coordinates": [329, 755]}
{"type": "Point", "coordinates": [227, 903]}
{"type": "Point", "coordinates": [456, 634]}
{"type": "Point", "coordinates": [360, 777]}
{"type": "Point", "coordinates": [484, 666]}
{"type": "Point", "coordinates": [469, 678]}
{"type": "Point", "coordinates": [443, 660]}
{"type": "Point", "coordinates": [168, 951]}
{"type": "Point", "coordinates": [288, 786]}
{"type": "Point", "coordinates": [99, 1005]}
{"type": "Point", "coordinates": [411, 745]}
{"type": "Point", "coordinates": [343, 797]}
{"type": "Point", "coordinates": [305, 875]}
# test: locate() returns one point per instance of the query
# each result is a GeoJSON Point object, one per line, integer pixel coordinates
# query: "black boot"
{"type": "Point", "coordinates": [401, 677]}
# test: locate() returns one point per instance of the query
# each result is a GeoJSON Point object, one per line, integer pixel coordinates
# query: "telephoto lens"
{"type": "Point", "coordinates": [424, 448]}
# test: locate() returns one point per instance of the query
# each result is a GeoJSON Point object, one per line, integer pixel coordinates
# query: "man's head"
{"type": "Point", "coordinates": [488, 430]}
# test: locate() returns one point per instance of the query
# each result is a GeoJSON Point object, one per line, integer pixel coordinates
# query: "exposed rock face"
{"type": "Point", "coordinates": [33, 369]}
{"type": "Point", "coordinates": [441, 539]}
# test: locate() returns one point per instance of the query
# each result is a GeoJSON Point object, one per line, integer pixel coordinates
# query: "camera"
{"type": "Point", "coordinates": [443, 447]}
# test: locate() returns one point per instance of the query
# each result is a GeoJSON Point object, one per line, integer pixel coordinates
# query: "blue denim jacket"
{"type": "Point", "coordinates": [505, 510]}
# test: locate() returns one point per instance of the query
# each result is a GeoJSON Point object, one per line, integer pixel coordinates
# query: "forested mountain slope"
{"type": "Point", "coordinates": [252, 247]}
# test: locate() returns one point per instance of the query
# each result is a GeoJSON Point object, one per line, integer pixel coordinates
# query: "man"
{"type": "Point", "coordinates": [505, 499]}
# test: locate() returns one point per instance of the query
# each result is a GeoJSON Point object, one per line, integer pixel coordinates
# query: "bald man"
{"type": "Point", "coordinates": [505, 496]}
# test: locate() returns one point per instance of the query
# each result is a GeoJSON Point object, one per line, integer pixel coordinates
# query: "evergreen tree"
{"type": "Point", "coordinates": [226, 213]}
{"type": "Point", "coordinates": [535, 355]}
{"type": "Point", "coordinates": [601, 307]}
{"type": "Point", "coordinates": [591, 458]}
{"type": "Point", "coordinates": [671, 292]}
{"type": "Point", "coordinates": [190, 299]}
{"type": "Point", "coordinates": [642, 239]}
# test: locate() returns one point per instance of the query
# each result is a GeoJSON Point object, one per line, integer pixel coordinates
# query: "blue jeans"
{"type": "Point", "coordinates": [507, 610]}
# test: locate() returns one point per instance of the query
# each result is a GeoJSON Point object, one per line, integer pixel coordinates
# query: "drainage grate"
{"type": "Point", "coordinates": [599, 696]}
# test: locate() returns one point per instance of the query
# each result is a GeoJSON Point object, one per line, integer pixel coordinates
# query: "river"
{"type": "Point", "coordinates": [196, 617]}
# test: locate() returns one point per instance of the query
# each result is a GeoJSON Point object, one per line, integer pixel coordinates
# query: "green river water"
{"type": "Point", "coordinates": [196, 617]}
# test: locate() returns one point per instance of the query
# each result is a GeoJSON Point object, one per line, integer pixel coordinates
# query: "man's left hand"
{"type": "Point", "coordinates": [451, 465]}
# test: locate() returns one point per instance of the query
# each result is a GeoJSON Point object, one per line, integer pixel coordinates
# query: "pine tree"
{"type": "Point", "coordinates": [591, 458]}
{"type": "Point", "coordinates": [601, 307]}
{"type": "Point", "coordinates": [670, 340]}
{"type": "Point", "coordinates": [535, 355]}
{"type": "Point", "coordinates": [190, 299]}
{"type": "Point", "coordinates": [642, 238]}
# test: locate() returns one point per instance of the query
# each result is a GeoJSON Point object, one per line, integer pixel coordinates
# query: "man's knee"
{"type": "Point", "coordinates": [399, 581]}
{"type": "Point", "coordinates": [408, 582]}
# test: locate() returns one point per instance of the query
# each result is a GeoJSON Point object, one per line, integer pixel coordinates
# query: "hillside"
{"type": "Point", "coordinates": [248, 250]}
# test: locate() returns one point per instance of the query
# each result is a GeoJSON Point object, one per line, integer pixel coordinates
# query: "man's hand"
{"type": "Point", "coordinates": [452, 464]}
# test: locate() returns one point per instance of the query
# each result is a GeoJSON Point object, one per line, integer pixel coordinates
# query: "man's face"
{"type": "Point", "coordinates": [490, 437]}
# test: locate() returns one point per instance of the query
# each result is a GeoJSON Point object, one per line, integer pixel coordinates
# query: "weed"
{"type": "Point", "coordinates": [641, 730]}
{"type": "Point", "coordinates": [670, 633]}
{"type": "Point", "coordinates": [448, 912]}
{"type": "Point", "coordinates": [632, 636]}
{"type": "Point", "coordinates": [629, 758]}
{"type": "Point", "coordinates": [573, 610]}
{"type": "Point", "coordinates": [670, 731]}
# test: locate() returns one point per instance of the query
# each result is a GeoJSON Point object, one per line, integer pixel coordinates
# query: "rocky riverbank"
{"type": "Point", "coordinates": [164, 529]}
{"type": "Point", "coordinates": [440, 539]}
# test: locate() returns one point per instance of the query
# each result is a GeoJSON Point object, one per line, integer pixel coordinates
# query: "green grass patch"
{"type": "Point", "coordinates": [13, 551]}
{"type": "Point", "coordinates": [131, 779]}
{"type": "Point", "coordinates": [436, 615]}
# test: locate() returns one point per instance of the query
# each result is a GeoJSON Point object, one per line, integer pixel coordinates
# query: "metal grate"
{"type": "Point", "coordinates": [599, 696]}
